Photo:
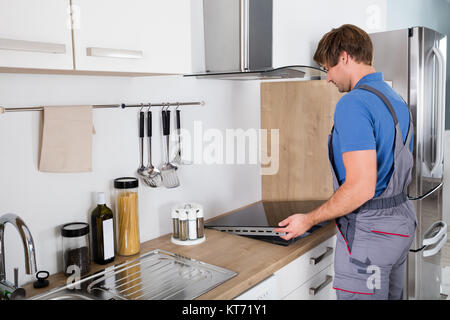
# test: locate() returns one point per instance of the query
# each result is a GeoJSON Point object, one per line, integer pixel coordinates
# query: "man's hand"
{"type": "Point", "coordinates": [359, 187]}
{"type": "Point", "coordinates": [295, 225]}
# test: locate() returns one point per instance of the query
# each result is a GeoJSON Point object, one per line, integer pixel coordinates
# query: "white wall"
{"type": "Point", "coordinates": [45, 201]}
{"type": "Point", "coordinates": [299, 25]}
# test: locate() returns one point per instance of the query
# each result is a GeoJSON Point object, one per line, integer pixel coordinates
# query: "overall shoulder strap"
{"type": "Point", "coordinates": [383, 98]}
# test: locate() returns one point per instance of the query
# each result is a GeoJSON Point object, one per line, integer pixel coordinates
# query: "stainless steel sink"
{"type": "Point", "coordinates": [155, 275]}
{"type": "Point", "coordinates": [65, 295]}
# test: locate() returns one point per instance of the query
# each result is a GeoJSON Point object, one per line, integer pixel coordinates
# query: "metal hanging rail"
{"type": "Point", "coordinates": [104, 106]}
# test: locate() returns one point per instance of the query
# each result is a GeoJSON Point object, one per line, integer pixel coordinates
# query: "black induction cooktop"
{"type": "Point", "coordinates": [258, 220]}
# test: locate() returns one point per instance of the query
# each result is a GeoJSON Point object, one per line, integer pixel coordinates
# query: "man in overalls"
{"type": "Point", "coordinates": [370, 152]}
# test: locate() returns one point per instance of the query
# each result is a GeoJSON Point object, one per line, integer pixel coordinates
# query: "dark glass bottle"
{"type": "Point", "coordinates": [102, 232]}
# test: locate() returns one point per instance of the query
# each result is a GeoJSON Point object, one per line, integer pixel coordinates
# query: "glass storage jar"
{"type": "Point", "coordinates": [126, 216]}
{"type": "Point", "coordinates": [76, 248]}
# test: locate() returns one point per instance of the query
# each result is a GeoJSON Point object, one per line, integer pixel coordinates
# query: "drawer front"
{"type": "Point", "coordinates": [265, 290]}
{"type": "Point", "coordinates": [319, 287]}
{"type": "Point", "coordinates": [296, 273]}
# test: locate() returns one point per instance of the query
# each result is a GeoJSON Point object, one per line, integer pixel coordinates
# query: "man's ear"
{"type": "Point", "coordinates": [344, 57]}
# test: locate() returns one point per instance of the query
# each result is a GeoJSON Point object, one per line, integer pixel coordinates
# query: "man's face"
{"type": "Point", "coordinates": [338, 75]}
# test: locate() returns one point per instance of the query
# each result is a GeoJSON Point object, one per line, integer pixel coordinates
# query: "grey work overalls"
{"type": "Point", "coordinates": [374, 240]}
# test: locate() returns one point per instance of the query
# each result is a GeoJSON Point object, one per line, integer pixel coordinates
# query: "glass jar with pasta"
{"type": "Point", "coordinates": [126, 219]}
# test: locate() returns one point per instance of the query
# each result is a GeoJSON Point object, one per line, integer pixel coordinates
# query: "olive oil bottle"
{"type": "Point", "coordinates": [102, 232]}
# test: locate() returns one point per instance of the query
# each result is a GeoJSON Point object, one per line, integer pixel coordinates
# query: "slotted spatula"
{"type": "Point", "coordinates": [168, 170]}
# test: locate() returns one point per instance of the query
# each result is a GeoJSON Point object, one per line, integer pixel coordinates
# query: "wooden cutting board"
{"type": "Point", "coordinates": [302, 111]}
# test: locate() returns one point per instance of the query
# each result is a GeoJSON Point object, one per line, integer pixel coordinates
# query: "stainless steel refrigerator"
{"type": "Point", "coordinates": [413, 62]}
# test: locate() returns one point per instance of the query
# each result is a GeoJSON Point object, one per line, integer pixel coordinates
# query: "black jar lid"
{"type": "Point", "coordinates": [126, 183]}
{"type": "Point", "coordinates": [75, 229]}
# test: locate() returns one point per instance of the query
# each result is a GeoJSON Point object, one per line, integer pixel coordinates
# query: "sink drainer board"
{"type": "Point", "coordinates": [161, 275]}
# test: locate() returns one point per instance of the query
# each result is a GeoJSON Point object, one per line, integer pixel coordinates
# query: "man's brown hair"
{"type": "Point", "coordinates": [355, 41]}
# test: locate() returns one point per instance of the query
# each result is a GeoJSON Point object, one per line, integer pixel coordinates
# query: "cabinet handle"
{"type": "Point", "coordinates": [114, 53]}
{"type": "Point", "coordinates": [33, 46]}
{"type": "Point", "coordinates": [316, 260]}
{"type": "Point", "coordinates": [316, 290]}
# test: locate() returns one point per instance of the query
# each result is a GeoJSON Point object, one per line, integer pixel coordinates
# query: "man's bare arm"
{"type": "Point", "coordinates": [359, 187]}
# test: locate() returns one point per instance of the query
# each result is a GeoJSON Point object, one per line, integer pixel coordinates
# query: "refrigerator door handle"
{"type": "Point", "coordinates": [441, 108]}
{"type": "Point", "coordinates": [432, 252]}
{"type": "Point", "coordinates": [433, 236]}
{"type": "Point", "coordinates": [428, 193]}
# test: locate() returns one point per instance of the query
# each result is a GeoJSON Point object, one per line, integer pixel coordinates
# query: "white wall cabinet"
{"type": "Point", "coordinates": [35, 34]}
{"type": "Point", "coordinates": [150, 36]}
{"type": "Point", "coordinates": [131, 36]}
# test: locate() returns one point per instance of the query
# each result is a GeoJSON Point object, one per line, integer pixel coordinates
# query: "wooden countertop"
{"type": "Point", "coordinates": [253, 260]}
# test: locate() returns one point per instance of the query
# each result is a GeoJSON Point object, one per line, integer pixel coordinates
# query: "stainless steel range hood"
{"type": "Point", "coordinates": [238, 43]}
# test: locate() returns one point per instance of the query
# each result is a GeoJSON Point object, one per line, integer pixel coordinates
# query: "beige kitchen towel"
{"type": "Point", "coordinates": [66, 144]}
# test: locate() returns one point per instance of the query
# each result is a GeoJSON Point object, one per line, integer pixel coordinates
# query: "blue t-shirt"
{"type": "Point", "coordinates": [363, 122]}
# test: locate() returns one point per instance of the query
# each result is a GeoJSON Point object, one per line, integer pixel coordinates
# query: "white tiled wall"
{"type": "Point", "coordinates": [45, 201]}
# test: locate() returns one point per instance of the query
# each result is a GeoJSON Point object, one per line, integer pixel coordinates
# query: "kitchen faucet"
{"type": "Point", "coordinates": [7, 289]}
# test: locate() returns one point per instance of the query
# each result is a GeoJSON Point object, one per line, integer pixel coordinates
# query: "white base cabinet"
{"type": "Point", "coordinates": [309, 277]}
{"type": "Point", "coordinates": [265, 290]}
{"type": "Point", "coordinates": [319, 287]}
{"type": "Point", "coordinates": [309, 271]}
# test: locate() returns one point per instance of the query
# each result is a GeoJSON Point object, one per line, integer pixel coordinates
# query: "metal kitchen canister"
{"type": "Point", "coordinates": [126, 216]}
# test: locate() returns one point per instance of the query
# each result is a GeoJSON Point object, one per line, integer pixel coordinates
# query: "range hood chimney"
{"type": "Point", "coordinates": [238, 43]}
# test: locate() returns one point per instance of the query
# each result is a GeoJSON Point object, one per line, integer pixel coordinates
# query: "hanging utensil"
{"type": "Point", "coordinates": [154, 178]}
{"type": "Point", "coordinates": [178, 160]}
{"type": "Point", "coordinates": [168, 173]}
{"type": "Point", "coordinates": [142, 170]}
